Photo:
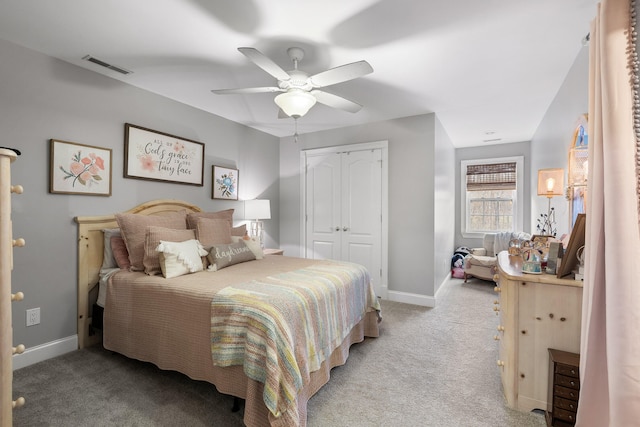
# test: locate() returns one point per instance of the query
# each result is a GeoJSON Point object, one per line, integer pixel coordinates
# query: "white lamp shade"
{"type": "Point", "coordinates": [550, 182]}
{"type": "Point", "coordinates": [295, 102]}
{"type": "Point", "coordinates": [257, 209]}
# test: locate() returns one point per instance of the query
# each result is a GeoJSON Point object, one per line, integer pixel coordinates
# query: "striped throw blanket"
{"type": "Point", "coordinates": [281, 328]}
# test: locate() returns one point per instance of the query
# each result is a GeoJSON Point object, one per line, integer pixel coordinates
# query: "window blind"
{"type": "Point", "coordinates": [494, 176]}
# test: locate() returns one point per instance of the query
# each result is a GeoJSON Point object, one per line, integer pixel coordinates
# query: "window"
{"type": "Point", "coordinates": [491, 195]}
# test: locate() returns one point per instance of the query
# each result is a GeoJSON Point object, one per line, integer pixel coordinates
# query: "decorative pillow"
{"type": "Point", "coordinates": [213, 231]}
{"type": "Point", "coordinates": [120, 252]}
{"type": "Point", "coordinates": [134, 229]}
{"type": "Point", "coordinates": [241, 230]}
{"type": "Point", "coordinates": [153, 236]}
{"type": "Point", "coordinates": [108, 260]}
{"type": "Point", "coordinates": [177, 259]}
{"type": "Point", "coordinates": [192, 218]}
{"type": "Point", "coordinates": [251, 243]}
{"type": "Point", "coordinates": [221, 256]}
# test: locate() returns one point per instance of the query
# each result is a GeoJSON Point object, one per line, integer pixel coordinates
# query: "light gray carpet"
{"type": "Point", "coordinates": [430, 367]}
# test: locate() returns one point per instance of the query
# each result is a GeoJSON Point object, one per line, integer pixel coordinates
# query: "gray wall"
{"type": "Point", "coordinates": [551, 142]}
{"type": "Point", "coordinates": [412, 154]}
{"type": "Point", "coordinates": [43, 98]}
{"type": "Point", "coordinates": [444, 204]}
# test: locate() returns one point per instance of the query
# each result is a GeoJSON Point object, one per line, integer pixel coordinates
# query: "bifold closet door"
{"type": "Point", "coordinates": [344, 208]}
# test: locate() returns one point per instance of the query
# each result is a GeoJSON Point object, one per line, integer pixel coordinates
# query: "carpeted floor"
{"type": "Point", "coordinates": [430, 367]}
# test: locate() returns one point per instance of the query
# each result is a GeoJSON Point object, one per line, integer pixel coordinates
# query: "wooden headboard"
{"type": "Point", "coordinates": [90, 253]}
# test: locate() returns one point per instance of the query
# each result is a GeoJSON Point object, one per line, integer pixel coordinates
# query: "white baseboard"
{"type": "Point", "coordinates": [409, 298]}
{"type": "Point", "coordinates": [45, 351]}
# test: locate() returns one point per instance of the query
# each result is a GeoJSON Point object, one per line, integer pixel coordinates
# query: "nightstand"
{"type": "Point", "coordinates": [273, 251]}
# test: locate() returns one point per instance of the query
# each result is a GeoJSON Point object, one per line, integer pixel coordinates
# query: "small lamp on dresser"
{"type": "Point", "coordinates": [257, 210]}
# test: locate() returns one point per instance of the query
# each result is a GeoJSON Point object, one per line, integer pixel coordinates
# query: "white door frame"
{"type": "Point", "coordinates": [383, 146]}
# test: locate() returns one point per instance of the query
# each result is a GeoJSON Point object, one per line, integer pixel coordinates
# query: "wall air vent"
{"type": "Point", "coordinates": [106, 65]}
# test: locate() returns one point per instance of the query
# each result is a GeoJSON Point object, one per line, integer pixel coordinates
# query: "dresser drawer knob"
{"type": "Point", "coordinates": [500, 363]}
{"type": "Point", "coordinates": [19, 349]}
{"type": "Point", "coordinates": [496, 278]}
{"type": "Point", "coordinates": [18, 402]}
{"type": "Point", "coordinates": [496, 337]}
{"type": "Point", "coordinates": [500, 328]}
{"type": "Point", "coordinates": [497, 289]}
{"type": "Point", "coordinates": [17, 189]}
{"type": "Point", "coordinates": [19, 242]}
{"type": "Point", "coordinates": [496, 308]}
{"type": "Point", "coordinates": [18, 296]}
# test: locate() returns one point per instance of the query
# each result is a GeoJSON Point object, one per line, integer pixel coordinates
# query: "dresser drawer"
{"type": "Point", "coordinates": [568, 371]}
{"type": "Point", "coordinates": [563, 415]}
{"type": "Point", "coordinates": [566, 404]}
{"type": "Point", "coordinates": [567, 393]}
{"type": "Point", "coordinates": [569, 382]}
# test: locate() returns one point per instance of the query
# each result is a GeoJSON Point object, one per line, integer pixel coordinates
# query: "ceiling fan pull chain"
{"type": "Point", "coordinates": [295, 135]}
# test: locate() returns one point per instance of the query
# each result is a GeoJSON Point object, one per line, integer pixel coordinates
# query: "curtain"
{"type": "Point", "coordinates": [610, 340]}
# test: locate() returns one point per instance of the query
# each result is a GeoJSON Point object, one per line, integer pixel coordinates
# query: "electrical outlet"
{"type": "Point", "coordinates": [33, 316]}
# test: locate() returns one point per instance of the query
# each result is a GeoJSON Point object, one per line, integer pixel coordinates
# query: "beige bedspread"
{"type": "Point", "coordinates": [168, 322]}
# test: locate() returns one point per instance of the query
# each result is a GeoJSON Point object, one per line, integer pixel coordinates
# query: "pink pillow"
{"type": "Point", "coordinates": [192, 217]}
{"type": "Point", "coordinates": [120, 252]}
{"type": "Point", "coordinates": [134, 227]}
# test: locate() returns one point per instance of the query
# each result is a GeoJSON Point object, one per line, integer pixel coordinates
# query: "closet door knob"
{"type": "Point", "coordinates": [337, 228]}
{"type": "Point", "coordinates": [345, 228]}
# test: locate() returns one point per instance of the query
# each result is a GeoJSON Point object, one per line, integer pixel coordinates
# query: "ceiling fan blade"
{"type": "Point", "coordinates": [341, 74]}
{"type": "Point", "coordinates": [246, 90]}
{"type": "Point", "coordinates": [264, 62]}
{"type": "Point", "coordinates": [336, 101]}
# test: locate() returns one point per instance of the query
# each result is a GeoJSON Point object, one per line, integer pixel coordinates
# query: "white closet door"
{"type": "Point", "coordinates": [344, 208]}
{"type": "Point", "coordinates": [323, 230]}
{"type": "Point", "coordinates": [362, 210]}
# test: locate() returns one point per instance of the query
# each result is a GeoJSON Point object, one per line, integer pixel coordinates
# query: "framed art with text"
{"type": "Point", "coordinates": [159, 156]}
{"type": "Point", "coordinates": [79, 169]}
{"type": "Point", "coordinates": [224, 183]}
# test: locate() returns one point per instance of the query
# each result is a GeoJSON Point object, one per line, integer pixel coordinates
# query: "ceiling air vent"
{"type": "Point", "coordinates": [106, 65]}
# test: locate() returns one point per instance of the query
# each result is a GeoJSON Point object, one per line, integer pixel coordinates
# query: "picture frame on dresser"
{"type": "Point", "coordinates": [79, 169]}
{"type": "Point", "coordinates": [158, 156]}
{"type": "Point", "coordinates": [576, 240]}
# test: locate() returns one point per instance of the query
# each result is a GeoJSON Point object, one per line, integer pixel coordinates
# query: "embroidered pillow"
{"type": "Point", "coordinates": [120, 252]}
{"type": "Point", "coordinates": [251, 243]}
{"type": "Point", "coordinates": [134, 228]}
{"type": "Point", "coordinates": [179, 258]}
{"type": "Point", "coordinates": [153, 236]}
{"type": "Point", "coordinates": [221, 256]}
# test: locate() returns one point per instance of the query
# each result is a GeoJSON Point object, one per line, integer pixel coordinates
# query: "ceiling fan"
{"type": "Point", "coordinates": [299, 89]}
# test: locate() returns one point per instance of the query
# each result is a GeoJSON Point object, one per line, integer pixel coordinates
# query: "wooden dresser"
{"type": "Point", "coordinates": [537, 312]}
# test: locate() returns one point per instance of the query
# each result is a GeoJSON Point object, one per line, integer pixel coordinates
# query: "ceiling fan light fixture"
{"type": "Point", "coordinates": [295, 103]}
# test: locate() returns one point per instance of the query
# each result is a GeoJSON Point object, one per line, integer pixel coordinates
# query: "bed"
{"type": "Point", "coordinates": [266, 330]}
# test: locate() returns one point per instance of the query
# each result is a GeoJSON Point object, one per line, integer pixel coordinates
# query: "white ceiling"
{"type": "Point", "coordinates": [489, 68]}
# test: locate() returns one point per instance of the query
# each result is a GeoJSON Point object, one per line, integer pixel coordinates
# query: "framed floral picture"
{"type": "Point", "coordinates": [225, 183]}
{"type": "Point", "coordinates": [159, 156]}
{"type": "Point", "coordinates": [79, 169]}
